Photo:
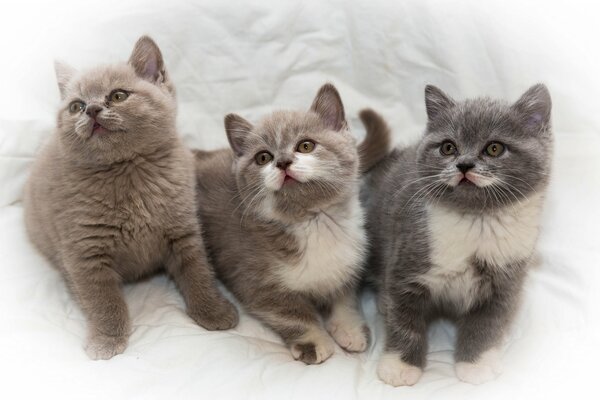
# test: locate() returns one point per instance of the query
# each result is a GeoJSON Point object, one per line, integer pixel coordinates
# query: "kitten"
{"type": "Point", "coordinates": [111, 198]}
{"type": "Point", "coordinates": [453, 221]}
{"type": "Point", "coordinates": [283, 223]}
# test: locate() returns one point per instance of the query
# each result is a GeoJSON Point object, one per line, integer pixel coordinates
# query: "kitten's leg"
{"type": "Point", "coordinates": [403, 359]}
{"type": "Point", "coordinates": [480, 333]}
{"type": "Point", "coordinates": [297, 321]}
{"type": "Point", "coordinates": [191, 271]}
{"type": "Point", "coordinates": [97, 288]}
{"type": "Point", "coordinates": [347, 325]}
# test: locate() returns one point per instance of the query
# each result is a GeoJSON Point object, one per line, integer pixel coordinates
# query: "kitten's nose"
{"type": "Point", "coordinates": [464, 167]}
{"type": "Point", "coordinates": [283, 164]}
{"type": "Point", "coordinates": [92, 110]}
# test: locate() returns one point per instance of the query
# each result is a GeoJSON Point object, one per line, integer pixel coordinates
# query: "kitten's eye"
{"type": "Point", "coordinates": [448, 148]}
{"type": "Point", "coordinates": [494, 149]}
{"type": "Point", "coordinates": [306, 147]}
{"type": "Point", "coordinates": [263, 157]}
{"type": "Point", "coordinates": [118, 96]}
{"type": "Point", "coordinates": [76, 106]}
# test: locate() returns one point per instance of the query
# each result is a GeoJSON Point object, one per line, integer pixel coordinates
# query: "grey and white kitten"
{"type": "Point", "coordinates": [453, 221]}
{"type": "Point", "coordinates": [283, 224]}
{"type": "Point", "coordinates": [111, 197]}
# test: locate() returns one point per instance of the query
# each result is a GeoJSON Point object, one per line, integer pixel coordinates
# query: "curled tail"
{"type": "Point", "coordinates": [378, 141]}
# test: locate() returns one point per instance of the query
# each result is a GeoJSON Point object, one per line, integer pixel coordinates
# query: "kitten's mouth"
{"type": "Point", "coordinates": [98, 129]}
{"type": "Point", "coordinates": [288, 179]}
{"type": "Point", "coordinates": [466, 181]}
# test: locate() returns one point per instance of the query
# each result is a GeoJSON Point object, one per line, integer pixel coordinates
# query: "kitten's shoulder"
{"type": "Point", "coordinates": [209, 163]}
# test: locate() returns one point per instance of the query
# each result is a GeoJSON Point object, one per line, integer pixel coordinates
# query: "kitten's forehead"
{"type": "Point", "coordinates": [99, 81]}
{"type": "Point", "coordinates": [477, 120]}
{"type": "Point", "coordinates": [284, 128]}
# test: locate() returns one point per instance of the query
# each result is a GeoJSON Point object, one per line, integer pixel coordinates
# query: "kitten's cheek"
{"type": "Point", "coordinates": [455, 180]}
{"type": "Point", "coordinates": [272, 178]}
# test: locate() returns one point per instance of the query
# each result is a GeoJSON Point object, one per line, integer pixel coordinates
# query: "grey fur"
{"type": "Point", "coordinates": [404, 188]}
{"type": "Point", "coordinates": [119, 204]}
{"type": "Point", "coordinates": [251, 228]}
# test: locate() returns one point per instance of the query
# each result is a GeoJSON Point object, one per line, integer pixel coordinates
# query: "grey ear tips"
{"type": "Point", "coordinates": [147, 40]}
{"type": "Point", "coordinates": [329, 106]}
{"type": "Point", "coordinates": [430, 88]}
{"type": "Point", "coordinates": [329, 88]}
{"type": "Point", "coordinates": [229, 118]}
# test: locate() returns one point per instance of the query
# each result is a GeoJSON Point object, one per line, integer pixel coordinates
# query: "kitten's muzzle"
{"type": "Point", "coordinates": [92, 110]}
{"type": "Point", "coordinates": [283, 164]}
{"type": "Point", "coordinates": [464, 167]}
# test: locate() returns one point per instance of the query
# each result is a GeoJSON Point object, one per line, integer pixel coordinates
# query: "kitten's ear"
{"type": "Point", "coordinates": [64, 74]}
{"type": "Point", "coordinates": [534, 108]}
{"type": "Point", "coordinates": [328, 104]}
{"type": "Point", "coordinates": [237, 129]}
{"type": "Point", "coordinates": [436, 101]}
{"type": "Point", "coordinates": [147, 61]}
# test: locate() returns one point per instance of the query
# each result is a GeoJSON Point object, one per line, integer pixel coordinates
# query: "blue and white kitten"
{"type": "Point", "coordinates": [453, 222]}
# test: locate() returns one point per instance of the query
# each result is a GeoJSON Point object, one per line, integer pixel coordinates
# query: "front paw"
{"type": "Point", "coordinates": [215, 317]}
{"type": "Point", "coordinates": [487, 368]}
{"type": "Point", "coordinates": [313, 351]}
{"type": "Point", "coordinates": [393, 371]}
{"type": "Point", "coordinates": [103, 347]}
{"type": "Point", "coordinates": [353, 338]}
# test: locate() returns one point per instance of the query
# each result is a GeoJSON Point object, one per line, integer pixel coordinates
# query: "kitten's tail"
{"type": "Point", "coordinates": [377, 143]}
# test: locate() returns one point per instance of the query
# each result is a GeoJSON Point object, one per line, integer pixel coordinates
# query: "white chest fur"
{"type": "Point", "coordinates": [456, 238]}
{"type": "Point", "coordinates": [333, 246]}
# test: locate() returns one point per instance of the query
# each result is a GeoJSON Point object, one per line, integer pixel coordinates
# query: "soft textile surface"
{"type": "Point", "coordinates": [251, 58]}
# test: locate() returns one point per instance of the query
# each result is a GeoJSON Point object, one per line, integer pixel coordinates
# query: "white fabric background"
{"type": "Point", "coordinates": [251, 58]}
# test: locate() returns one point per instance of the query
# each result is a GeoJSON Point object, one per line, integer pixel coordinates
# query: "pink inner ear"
{"type": "Point", "coordinates": [151, 68]}
{"type": "Point", "coordinates": [534, 119]}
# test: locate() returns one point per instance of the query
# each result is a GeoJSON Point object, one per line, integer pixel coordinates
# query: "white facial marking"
{"type": "Point", "coordinates": [476, 178]}
{"type": "Point", "coordinates": [272, 176]}
{"type": "Point", "coordinates": [305, 167]}
{"type": "Point", "coordinates": [499, 239]}
{"type": "Point", "coordinates": [393, 371]}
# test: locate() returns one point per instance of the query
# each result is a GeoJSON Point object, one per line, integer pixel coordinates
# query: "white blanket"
{"type": "Point", "coordinates": [254, 57]}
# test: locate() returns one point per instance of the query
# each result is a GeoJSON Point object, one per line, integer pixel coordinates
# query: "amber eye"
{"type": "Point", "coordinates": [76, 106]}
{"type": "Point", "coordinates": [306, 146]}
{"type": "Point", "coordinates": [448, 148]}
{"type": "Point", "coordinates": [118, 96]}
{"type": "Point", "coordinates": [494, 149]}
{"type": "Point", "coordinates": [263, 157]}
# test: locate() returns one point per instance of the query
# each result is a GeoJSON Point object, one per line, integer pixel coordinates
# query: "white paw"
{"type": "Point", "coordinates": [487, 368]}
{"type": "Point", "coordinates": [313, 348]}
{"type": "Point", "coordinates": [349, 337]}
{"type": "Point", "coordinates": [103, 347]}
{"type": "Point", "coordinates": [393, 371]}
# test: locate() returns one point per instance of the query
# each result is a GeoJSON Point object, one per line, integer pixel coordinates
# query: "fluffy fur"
{"type": "Point", "coordinates": [454, 227]}
{"type": "Point", "coordinates": [287, 236]}
{"type": "Point", "coordinates": [111, 197]}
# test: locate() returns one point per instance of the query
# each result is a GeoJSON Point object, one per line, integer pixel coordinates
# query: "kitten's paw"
{"type": "Point", "coordinates": [393, 371]}
{"type": "Point", "coordinates": [313, 351]}
{"type": "Point", "coordinates": [350, 337]}
{"type": "Point", "coordinates": [104, 347]}
{"type": "Point", "coordinates": [216, 317]}
{"type": "Point", "coordinates": [487, 368]}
